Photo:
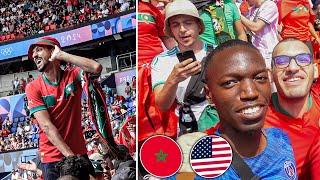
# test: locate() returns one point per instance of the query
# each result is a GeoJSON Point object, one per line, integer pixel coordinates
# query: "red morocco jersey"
{"type": "Point", "coordinates": [303, 133]}
{"type": "Point", "coordinates": [63, 102]}
{"type": "Point", "coordinates": [151, 24]}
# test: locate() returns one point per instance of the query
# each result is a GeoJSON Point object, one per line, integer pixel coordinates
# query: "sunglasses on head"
{"type": "Point", "coordinates": [283, 61]}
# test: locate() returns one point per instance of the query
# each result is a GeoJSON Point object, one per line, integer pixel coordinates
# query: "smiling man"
{"type": "Point", "coordinates": [237, 82]}
{"type": "Point", "coordinates": [54, 98]}
{"type": "Point", "coordinates": [294, 108]}
{"type": "Point", "coordinates": [171, 77]}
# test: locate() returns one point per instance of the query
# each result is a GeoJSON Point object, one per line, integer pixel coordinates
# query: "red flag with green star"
{"type": "Point", "coordinates": [161, 156]}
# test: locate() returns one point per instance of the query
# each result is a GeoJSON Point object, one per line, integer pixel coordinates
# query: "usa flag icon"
{"type": "Point", "coordinates": [211, 156]}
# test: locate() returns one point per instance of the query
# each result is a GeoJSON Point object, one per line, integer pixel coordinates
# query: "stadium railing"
{"type": "Point", "coordinates": [6, 81]}
{"type": "Point", "coordinates": [127, 60]}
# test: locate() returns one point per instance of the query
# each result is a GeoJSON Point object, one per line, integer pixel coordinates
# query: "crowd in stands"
{"type": "Point", "coordinates": [122, 117]}
{"type": "Point", "coordinates": [23, 18]}
{"type": "Point", "coordinates": [18, 86]}
{"type": "Point", "coordinates": [18, 134]}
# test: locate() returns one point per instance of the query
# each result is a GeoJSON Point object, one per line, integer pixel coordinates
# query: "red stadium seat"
{"type": "Point", "coordinates": [8, 37]}
{"type": "Point", "coordinates": [2, 38]}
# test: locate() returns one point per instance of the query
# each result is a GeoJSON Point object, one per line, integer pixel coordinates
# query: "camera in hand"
{"type": "Point", "coordinates": [89, 134]}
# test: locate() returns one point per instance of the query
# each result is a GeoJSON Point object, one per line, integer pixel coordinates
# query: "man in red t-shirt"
{"type": "Point", "coordinates": [151, 41]}
{"type": "Point", "coordinates": [293, 108]}
{"type": "Point", "coordinates": [54, 98]}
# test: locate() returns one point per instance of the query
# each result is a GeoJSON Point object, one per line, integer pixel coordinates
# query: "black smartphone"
{"type": "Point", "coordinates": [182, 56]}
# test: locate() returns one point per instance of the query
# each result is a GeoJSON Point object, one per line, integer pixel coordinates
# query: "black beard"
{"type": "Point", "coordinates": [43, 67]}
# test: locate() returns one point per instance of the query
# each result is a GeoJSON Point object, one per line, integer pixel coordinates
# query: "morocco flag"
{"type": "Point", "coordinates": [161, 156]}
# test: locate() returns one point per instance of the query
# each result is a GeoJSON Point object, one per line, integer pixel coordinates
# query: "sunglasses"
{"type": "Point", "coordinates": [301, 60]}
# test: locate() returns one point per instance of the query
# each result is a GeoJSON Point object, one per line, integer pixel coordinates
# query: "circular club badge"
{"type": "Point", "coordinates": [211, 156]}
{"type": "Point", "coordinates": [161, 156]}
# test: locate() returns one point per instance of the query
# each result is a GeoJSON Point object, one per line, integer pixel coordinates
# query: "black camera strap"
{"type": "Point", "coordinates": [242, 168]}
{"type": "Point", "coordinates": [194, 94]}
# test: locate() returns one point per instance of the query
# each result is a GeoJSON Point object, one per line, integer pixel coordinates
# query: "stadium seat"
{"type": "Point", "coordinates": [21, 119]}
{"type": "Point", "coordinates": [2, 38]}
{"type": "Point", "coordinates": [14, 124]}
{"type": "Point", "coordinates": [35, 137]}
{"type": "Point", "coordinates": [130, 104]}
{"type": "Point", "coordinates": [13, 130]}
{"type": "Point", "coordinates": [8, 37]}
{"type": "Point", "coordinates": [15, 120]}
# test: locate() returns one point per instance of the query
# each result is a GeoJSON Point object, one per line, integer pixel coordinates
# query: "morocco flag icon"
{"type": "Point", "coordinates": [161, 156]}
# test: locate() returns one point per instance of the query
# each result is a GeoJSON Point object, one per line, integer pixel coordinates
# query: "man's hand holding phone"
{"type": "Point", "coordinates": [187, 67]}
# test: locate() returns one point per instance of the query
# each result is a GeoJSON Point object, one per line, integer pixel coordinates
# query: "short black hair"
{"type": "Point", "coordinates": [76, 166]}
{"type": "Point", "coordinates": [223, 46]}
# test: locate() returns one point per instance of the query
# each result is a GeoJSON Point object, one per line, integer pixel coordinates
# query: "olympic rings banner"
{"type": "Point", "coordinates": [75, 36]}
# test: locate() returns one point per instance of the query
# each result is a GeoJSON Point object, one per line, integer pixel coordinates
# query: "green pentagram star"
{"type": "Point", "coordinates": [161, 156]}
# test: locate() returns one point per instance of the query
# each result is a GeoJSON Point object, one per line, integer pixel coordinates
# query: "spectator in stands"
{"type": "Point", "coordinates": [7, 124]}
{"type": "Point", "coordinates": [125, 6]}
{"type": "Point", "coordinates": [294, 108]}
{"type": "Point", "coordinates": [241, 95]}
{"type": "Point", "coordinates": [64, 132]}
{"type": "Point", "coordinates": [16, 85]}
{"type": "Point", "coordinates": [127, 90]}
{"type": "Point", "coordinates": [297, 20]}
{"type": "Point", "coordinates": [23, 18]}
{"type": "Point", "coordinates": [170, 77]}
{"type": "Point", "coordinates": [262, 21]}
{"type": "Point", "coordinates": [34, 130]}
{"type": "Point", "coordinates": [5, 132]}
{"type": "Point", "coordinates": [133, 87]}
{"type": "Point", "coordinates": [222, 22]}
{"type": "Point", "coordinates": [20, 130]}
{"type": "Point", "coordinates": [115, 126]}
{"type": "Point", "coordinates": [151, 34]}
{"type": "Point", "coordinates": [22, 86]}
{"type": "Point", "coordinates": [28, 130]}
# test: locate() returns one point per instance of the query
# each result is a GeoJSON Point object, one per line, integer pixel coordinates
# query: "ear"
{"type": "Point", "coordinates": [209, 96]}
{"type": "Point", "coordinates": [315, 71]}
{"type": "Point", "coordinates": [200, 26]}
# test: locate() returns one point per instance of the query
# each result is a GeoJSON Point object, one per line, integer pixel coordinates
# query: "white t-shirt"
{"type": "Point", "coordinates": [163, 64]}
{"type": "Point", "coordinates": [266, 39]}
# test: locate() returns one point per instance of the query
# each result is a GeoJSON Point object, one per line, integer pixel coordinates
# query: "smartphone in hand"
{"type": "Point", "coordinates": [182, 56]}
